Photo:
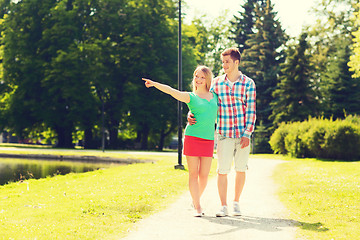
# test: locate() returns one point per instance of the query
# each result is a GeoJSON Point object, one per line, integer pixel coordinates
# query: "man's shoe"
{"type": "Point", "coordinates": [237, 211]}
{"type": "Point", "coordinates": [223, 212]}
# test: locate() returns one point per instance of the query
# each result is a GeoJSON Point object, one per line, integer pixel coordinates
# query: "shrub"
{"type": "Point", "coordinates": [277, 139]}
{"type": "Point", "coordinates": [321, 138]}
{"type": "Point", "coordinates": [342, 141]}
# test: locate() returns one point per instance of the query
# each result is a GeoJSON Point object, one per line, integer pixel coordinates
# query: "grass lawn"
{"type": "Point", "coordinates": [96, 205]}
{"type": "Point", "coordinates": [103, 204]}
{"type": "Point", "coordinates": [39, 149]}
{"type": "Point", "coordinates": [324, 197]}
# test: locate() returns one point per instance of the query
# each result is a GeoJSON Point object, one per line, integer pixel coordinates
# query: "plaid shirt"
{"type": "Point", "coordinates": [236, 106]}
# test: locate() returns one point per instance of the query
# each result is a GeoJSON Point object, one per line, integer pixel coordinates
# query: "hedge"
{"type": "Point", "coordinates": [319, 138]}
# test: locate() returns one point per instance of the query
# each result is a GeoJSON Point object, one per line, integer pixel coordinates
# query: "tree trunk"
{"type": "Point", "coordinates": [163, 135]}
{"type": "Point", "coordinates": [144, 137]}
{"type": "Point", "coordinates": [88, 139]}
{"type": "Point", "coordinates": [162, 139]}
{"type": "Point", "coordinates": [64, 137]}
{"type": "Point", "coordinates": [114, 143]}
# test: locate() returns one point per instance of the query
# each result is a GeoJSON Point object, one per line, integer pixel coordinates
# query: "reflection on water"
{"type": "Point", "coordinates": [13, 170]}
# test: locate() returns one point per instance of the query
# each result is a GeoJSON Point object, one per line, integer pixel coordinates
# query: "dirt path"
{"type": "Point", "coordinates": [264, 217]}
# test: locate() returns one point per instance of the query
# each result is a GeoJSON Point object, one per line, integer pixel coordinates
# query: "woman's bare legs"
{"type": "Point", "coordinates": [204, 169]}
{"type": "Point", "coordinates": [199, 168]}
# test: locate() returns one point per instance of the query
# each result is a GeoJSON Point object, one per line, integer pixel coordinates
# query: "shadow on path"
{"type": "Point", "coordinates": [261, 224]}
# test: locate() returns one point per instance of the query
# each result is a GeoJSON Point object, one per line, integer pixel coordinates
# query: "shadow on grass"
{"type": "Point", "coordinates": [19, 145]}
{"type": "Point", "coordinates": [336, 160]}
{"type": "Point", "coordinates": [316, 227]}
{"type": "Point", "coordinates": [262, 224]}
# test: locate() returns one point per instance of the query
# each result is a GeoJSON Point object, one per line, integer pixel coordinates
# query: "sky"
{"type": "Point", "coordinates": [293, 14]}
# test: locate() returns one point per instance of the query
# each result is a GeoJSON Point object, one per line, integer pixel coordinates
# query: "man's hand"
{"type": "Point", "coordinates": [191, 119]}
{"type": "Point", "coordinates": [244, 142]}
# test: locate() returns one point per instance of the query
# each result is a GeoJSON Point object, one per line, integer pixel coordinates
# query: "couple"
{"type": "Point", "coordinates": [230, 99]}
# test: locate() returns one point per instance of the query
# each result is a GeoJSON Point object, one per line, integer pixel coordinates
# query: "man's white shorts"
{"type": "Point", "coordinates": [228, 149]}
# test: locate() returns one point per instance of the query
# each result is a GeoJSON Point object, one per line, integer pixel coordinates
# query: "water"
{"type": "Point", "coordinates": [13, 170]}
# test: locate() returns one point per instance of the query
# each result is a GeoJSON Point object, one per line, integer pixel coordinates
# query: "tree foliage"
{"type": "Point", "coordinates": [261, 62]}
{"type": "Point", "coordinates": [330, 37]}
{"type": "Point", "coordinates": [294, 98]}
{"type": "Point", "coordinates": [354, 62]}
{"type": "Point", "coordinates": [68, 62]}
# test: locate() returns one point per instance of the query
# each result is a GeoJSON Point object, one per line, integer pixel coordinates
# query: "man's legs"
{"type": "Point", "coordinates": [222, 188]}
{"type": "Point", "coordinates": [239, 185]}
{"type": "Point", "coordinates": [225, 152]}
{"type": "Point", "coordinates": [241, 160]}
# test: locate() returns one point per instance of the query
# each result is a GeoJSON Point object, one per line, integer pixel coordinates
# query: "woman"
{"type": "Point", "coordinates": [199, 138]}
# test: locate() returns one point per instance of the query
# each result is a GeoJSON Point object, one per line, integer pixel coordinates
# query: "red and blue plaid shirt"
{"type": "Point", "coordinates": [236, 106]}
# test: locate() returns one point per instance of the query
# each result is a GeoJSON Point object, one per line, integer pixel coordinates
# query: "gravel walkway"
{"type": "Point", "coordinates": [264, 217]}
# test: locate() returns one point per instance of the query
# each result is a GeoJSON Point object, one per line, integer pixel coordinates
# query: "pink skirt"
{"type": "Point", "coordinates": [198, 147]}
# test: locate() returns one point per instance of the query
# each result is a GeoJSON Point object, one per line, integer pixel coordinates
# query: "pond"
{"type": "Point", "coordinates": [13, 170]}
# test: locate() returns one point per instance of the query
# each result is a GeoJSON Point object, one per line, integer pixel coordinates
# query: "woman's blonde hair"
{"type": "Point", "coordinates": [208, 76]}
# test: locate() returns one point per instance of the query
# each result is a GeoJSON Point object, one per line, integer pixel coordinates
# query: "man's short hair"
{"type": "Point", "coordinates": [233, 52]}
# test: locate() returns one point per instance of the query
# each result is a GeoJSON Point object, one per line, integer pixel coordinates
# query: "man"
{"type": "Point", "coordinates": [235, 124]}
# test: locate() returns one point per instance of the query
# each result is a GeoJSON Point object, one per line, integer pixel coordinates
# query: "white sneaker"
{"type": "Point", "coordinates": [237, 211]}
{"type": "Point", "coordinates": [199, 214]}
{"type": "Point", "coordinates": [223, 212]}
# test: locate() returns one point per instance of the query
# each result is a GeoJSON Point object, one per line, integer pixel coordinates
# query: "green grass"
{"type": "Point", "coordinates": [28, 149]}
{"type": "Point", "coordinates": [102, 204]}
{"type": "Point", "coordinates": [324, 197]}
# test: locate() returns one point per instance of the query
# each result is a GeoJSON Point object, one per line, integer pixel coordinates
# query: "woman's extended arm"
{"type": "Point", "coordinates": [178, 95]}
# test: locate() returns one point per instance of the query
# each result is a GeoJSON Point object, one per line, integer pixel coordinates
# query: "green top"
{"type": "Point", "coordinates": [205, 113]}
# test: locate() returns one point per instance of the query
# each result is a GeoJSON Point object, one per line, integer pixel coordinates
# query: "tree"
{"type": "Point", "coordinates": [334, 23]}
{"type": "Point", "coordinates": [219, 39]}
{"type": "Point", "coordinates": [243, 25]}
{"type": "Point", "coordinates": [67, 63]}
{"type": "Point", "coordinates": [210, 38]}
{"type": "Point", "coordinates": [294, 98]}
{"type": "Point", "coordinates": [68, 91]}
{"type": "Point", "coordinates": [341, 91]}
{"type": "Point", "coordinates": [23, 65]}
{"type": "Point", "coordinates": [107, 51]}
{"type": "Point", "coordinates": [261, 61]}
{"type": "Point", "coordinates": [354, 62]}
{"type": "Point", "coordinates": [154, 50]}
{"type": "Point", "coordinates": [44, 65]}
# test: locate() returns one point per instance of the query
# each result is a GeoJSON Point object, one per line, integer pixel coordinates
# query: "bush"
{"type": "Point", "coordinates": [320, 138]}
{"type": "Point", "coordinates": [277, 139]}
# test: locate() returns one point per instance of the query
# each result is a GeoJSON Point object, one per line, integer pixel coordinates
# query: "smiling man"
{"type": "Point", "coordinates": [236, 121]}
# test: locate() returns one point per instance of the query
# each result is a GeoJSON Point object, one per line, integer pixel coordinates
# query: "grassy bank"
{"type": "Point", "coordinates": [96, 205]}
{"type": "Point", "coordinates": [39, 149]}
{"type": "Point", "coordinates": [323, 196]}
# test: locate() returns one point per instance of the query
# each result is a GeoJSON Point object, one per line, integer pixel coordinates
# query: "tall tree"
{"type": "Point", "coordinates": [341, 91]}
{"type": "Point", "coordinates": [261, 61]}
{"type": "Point", "coordinates": [107, 51]}
{"type": "Point", "coordinates": [154, 50]}
{"type": "Point", "coordinates": [354, 62]}
{"type": "Point", "coordinates": [334, 23]}
{"type": "Point", "coordinates": [294, 98]}
{"type": "Point", "coordinates": [44, 63]}
{"type": "Point", "coordinates": [67, 90]}
{"type": "Point", "coordinates": [23, 65]}
{"type": "Point", "coordinates": [242, 26]}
